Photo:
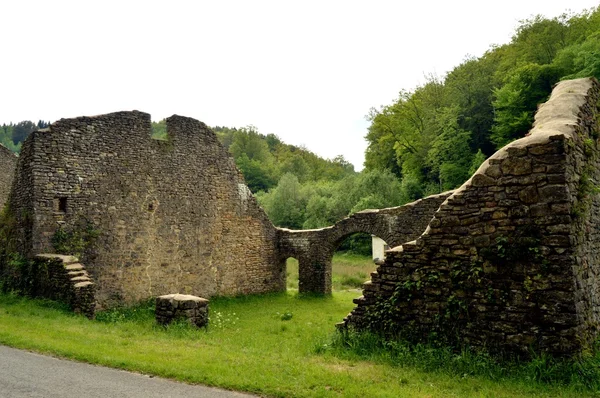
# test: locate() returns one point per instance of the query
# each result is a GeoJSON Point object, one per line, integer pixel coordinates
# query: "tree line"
{"type": "Point", "coordinates": [12, 135]}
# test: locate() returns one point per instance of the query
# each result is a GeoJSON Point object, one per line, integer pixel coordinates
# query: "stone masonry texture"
{"type": "Point", "coordinates": [511, 260]}
{"type": "Point", "coordinates": [8, 162]}
{"type": "Point", "coordinates": [171, 216]}
{"type": "Point", "coordinates": [168, 216]}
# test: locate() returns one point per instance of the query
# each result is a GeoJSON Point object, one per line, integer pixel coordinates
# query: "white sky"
{"type": "Point", "coordinates": [308, 71]}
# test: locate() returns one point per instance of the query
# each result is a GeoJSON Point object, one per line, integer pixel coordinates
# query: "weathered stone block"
{"type": "Point", "coordinates": [529, 195]}
{"type": "Point", "coordinates": [516, 166]}
{"type": "Point", "coordinates": [176, 306]}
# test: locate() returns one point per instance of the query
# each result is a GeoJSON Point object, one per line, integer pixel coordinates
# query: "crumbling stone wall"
{"type": "Point", "coordinates": [170, 216]}
{"type": "Point", "coordinates": [511, 259]}
{"type": "Point", "coordinates": [314, 248]}
{"type": "Point", "coordinates": [8, 162]}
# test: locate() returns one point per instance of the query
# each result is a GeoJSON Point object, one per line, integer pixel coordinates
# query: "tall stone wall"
{"type": "Point", "coordinates": [8, 162]}
{"type": "Point", "coordinates": [511, 260]}
{"type": "Point", "coordinates": [170, 216]}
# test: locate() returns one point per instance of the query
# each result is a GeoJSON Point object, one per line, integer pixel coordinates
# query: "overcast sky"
{"type": "Point", "coordinates": [307, 71]}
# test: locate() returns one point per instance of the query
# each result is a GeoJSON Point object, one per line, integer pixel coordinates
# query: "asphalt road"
{"type": "Point", "coordinates": [25, 374]}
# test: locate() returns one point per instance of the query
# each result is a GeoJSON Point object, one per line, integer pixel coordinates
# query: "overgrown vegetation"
{"type": "Point", "coordinates": [465, 280]}
{"type": "Point", "coordinates": [581, 373]}
{"type": "Point", "coordinates": [12, 265]}
{"type": "Point", "coordinates": [74, 241]}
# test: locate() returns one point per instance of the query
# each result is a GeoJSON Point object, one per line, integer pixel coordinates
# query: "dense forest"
{"type": "Point", "coordinates": [428, 140]}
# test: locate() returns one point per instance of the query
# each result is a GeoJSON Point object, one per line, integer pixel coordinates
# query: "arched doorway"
{"type": "Point", "coordinates": [291, 274]}
{"type": "Point", "coordinates": [314, 250]}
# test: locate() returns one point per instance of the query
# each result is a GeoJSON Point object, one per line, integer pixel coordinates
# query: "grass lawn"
{"type": "Point", "coordinates": [272, 345]}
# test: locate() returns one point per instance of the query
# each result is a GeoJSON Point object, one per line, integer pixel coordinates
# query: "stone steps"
{"type": "Point", "coordinates": [74, 267]}
{"type": "Point", "coordinates": [71, 282]}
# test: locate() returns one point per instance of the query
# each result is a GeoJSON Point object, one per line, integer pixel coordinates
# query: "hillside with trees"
{"type": "Point", "coordinates": [437, 135]}
{"type": "Point", "coordinates": [428, 140]}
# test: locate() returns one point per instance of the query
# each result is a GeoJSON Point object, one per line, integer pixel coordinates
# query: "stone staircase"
{"type": "Point", "coordinates": [68, 281]}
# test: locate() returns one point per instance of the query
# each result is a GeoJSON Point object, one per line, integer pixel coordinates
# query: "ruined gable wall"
{"type": "Point", "coordinates": [171, 216]}
{"type": "Point", "coordinates": [8, 161]}
{"type": "Point", "coordinates": [510, 260]}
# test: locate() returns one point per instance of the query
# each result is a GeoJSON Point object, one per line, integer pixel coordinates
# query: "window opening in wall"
{"type": "Point", "coordinates": [62, 205]}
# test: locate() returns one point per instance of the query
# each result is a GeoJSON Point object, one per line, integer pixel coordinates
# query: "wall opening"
{"type": "Point", "coordinates": [352, 262]}
{"type": "Point", "coordinates": [159, 131]}
{"type": "Point", "coordinates": [60, 205]}
{"type": "Point", "coordinates": [291, 274]}
{"type": "Point", "coordinates": [378, 248]}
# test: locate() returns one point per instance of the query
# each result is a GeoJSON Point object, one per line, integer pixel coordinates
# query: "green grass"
{"type": "Point", "coordinates": [274, 345]}
{"type": "Point", "coordinates": [349, 271]}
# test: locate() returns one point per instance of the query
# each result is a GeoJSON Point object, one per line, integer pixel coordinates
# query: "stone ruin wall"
{"type": "Point", "coordinates": [511, 260]}
{"type": "Point", "coordinates": [314, 248]}
{"type": "Point", "coordinates": [8, 162]}
{"type": "Point", "coordinates": [171, 216]}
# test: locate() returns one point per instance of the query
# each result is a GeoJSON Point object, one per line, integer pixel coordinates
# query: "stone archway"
{"type": "Point", "coordinates": [314, 248]}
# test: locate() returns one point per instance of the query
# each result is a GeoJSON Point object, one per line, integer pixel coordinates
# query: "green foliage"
{"type": "Point", "coordinates": [264, 160]}
{"type": "Point", "coordinates": [538, 40]}
{"type": "Point", "coordinates": [359, 244]}
{"type": "Point", "coordinates": [517, 101]}
{"type": "Point", "coordinates": [438, 134]}
{"type": "Point", "coordinates": [6, 138]}
{"type": "Point", "coordinates": [74, 242]}
{"type": "Point", "coordinates": [159, 130]}
{"type": "Point", "coordinates": [257, 174]}
{"type": "Point", "coordinates": [478, 159]}
{"type": "Point", "coordinates": [581, 59]}
{"type": "Point", "coordinates": [470, 92]}
{"type": "Point", "coordinates": [286, 203]}
{"type": "Point", "coordinates": [315, 205]}
{"type": "Point", "coordinates": [13, 135]}
{"type": "Point", "coordinates": [21, 130]}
